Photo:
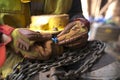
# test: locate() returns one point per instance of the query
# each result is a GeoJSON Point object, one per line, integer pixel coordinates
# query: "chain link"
{"type": "Point", "coordinates": [24, 70]}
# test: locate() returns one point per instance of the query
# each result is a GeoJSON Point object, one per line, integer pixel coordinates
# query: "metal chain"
{"type": "Point", "coordinates": [24, 70]}
{"type": "Point", "coordinates": [96, 53]}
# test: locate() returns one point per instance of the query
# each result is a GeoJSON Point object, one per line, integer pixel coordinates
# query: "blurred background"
{"type": "Point", "coordinates": [104, 16]}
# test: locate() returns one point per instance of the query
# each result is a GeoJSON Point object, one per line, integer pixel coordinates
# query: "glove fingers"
{"type": "Point", "coordinates": [67, 28]}
{"type": "Point", "coordinates": [34, 36]}
{"type": "Point", "coordinates": [71, 39]}
{"type": "Point", "coordinates": [31, 35]}
{"type": "Point", "coordinates": [68, 36]}
{"type": "Point", "coordinates": [79, 42]}
{"type": "Point", "coordinates": [46, 37]}
{"type": "Point", "coordinates": [23, 45]}
{"type": "Point", "coordinates": [76, 45]}
{"type": "Point", "coordinates": [44, 51]}
{"type": "Point", "coordinates": [86, 22]}
{"type": "Point", "coordinates": [73, 32]}
{"type": "Point", "coordinates": [40, 51]}
{"type": "Point", "coordinates": [48, 48]}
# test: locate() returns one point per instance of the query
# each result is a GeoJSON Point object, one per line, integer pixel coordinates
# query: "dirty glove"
{"type": "Point", "coordinates": [38, 50]}
{"type": "Point", "coordinates": [34, 45]}
{"type": "Point", "coordinates": [23, 38]}
{"type": "Point", "coordinates": [44, 50]}
{"type": "Point", "coordinates": [41, 50]}
{"type": "Point", "coordinates": [75, 34]}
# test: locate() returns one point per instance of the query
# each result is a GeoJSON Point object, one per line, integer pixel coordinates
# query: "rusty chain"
{"type": "Point", "coordinates": [26, 69]}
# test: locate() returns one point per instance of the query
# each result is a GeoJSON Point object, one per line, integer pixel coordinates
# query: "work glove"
{"type": "Point", "coordinates": [23, 38]}
{"type": "Point", "coordinates": [34, 45]}
{"type": "Point", "coordinates": [38, 50]}
{"type": "Point", "coordinates": [75, 34]}
{"type": "Point", "coordinates": [45, 50]}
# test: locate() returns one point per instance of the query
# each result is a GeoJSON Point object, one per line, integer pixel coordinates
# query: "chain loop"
{"type": "Point", "coordinates": [24, 70]}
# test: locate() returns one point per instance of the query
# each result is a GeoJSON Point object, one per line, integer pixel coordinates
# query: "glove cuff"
{"type": "Point", "coordinates": [85, 21]}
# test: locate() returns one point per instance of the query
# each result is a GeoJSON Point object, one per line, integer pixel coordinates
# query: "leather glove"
{"type": "Point", "coordinates": [39, 50]}
{"type": "Point", "coordinates": [34, 45]}
{"type": "Point", "coordinates": [23, 38]}
{"type": "Point", "coordinates": [44, 50]}
{"type": "Point", "coordinates": [75, 34]}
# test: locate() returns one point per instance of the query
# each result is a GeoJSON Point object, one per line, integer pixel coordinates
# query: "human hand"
{"type": "Point", "coordinates": [23, 38]}
{"type": "Point", "coordinates": [39, 50]}
{"type": "Point", "coordinates": [42, 50]}
{"type": "Point", "coordinates": [75, 33]}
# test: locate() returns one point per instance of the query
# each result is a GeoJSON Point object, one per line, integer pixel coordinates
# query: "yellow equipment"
{"type": "Point", "coordinates": [49, 23]}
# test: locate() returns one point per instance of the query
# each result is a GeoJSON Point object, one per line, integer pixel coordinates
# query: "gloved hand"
{"type": "Point", "coordinates": [34, 45]}
{"type": "Point", "coordinates": [38, 50]}
{"type": "Point", "coordinates": [44, 50]}
{"type": "Point", "coordinates": [23, 38]}
{"type": "Point", "coordinates": [75, 34]}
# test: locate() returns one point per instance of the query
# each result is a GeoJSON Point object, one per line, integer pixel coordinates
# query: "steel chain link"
{"type": "Point", "coordinates": [26, 69]}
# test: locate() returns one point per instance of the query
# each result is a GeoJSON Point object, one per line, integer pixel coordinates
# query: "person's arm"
{"type": "Point", "coordinates": [19, 39]}
{"type": "Point", "coordinates": [4, 29]}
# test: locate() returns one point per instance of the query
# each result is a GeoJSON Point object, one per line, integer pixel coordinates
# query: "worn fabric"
{"type": "Point", "coordinates": [75, 34]}
{"type": "Point", "coordinates": [41, 50]}
{"type": "Point", "coordinates": [12, 60]}
{"type": "Point", "coordinates": [50, 6]}
{"type": "Point", "coordinates": [7, 31]}
{"type": "Point", "coordinates": [17, 14]}
{"type": "Point", "coordinates": [14, 13]}
{"type": "Point", "coordinates": [54, 6]}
